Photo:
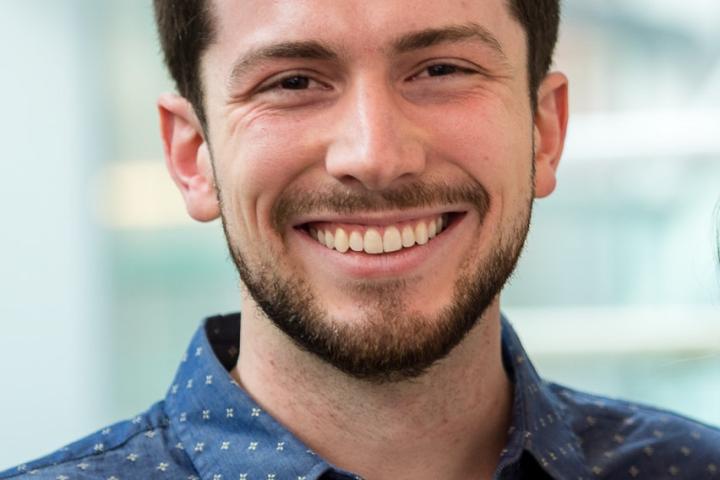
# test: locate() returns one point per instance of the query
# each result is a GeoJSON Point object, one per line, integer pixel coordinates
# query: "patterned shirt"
{"type": "Point", "coordinates": [208, 428]}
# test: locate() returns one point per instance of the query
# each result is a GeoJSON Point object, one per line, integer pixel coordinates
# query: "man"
{"type": "Point", "coordinates": [374, 163]}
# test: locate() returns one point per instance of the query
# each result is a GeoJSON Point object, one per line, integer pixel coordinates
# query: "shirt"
{"type": "Point", "coordinates": [208, 428]}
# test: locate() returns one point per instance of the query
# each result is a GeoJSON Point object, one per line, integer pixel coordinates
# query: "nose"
{"type": "Point", "coordinates": [376, 144]}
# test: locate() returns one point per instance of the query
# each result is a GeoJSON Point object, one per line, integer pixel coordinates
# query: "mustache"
{"type": "Point", "coordinates": [346, 200]}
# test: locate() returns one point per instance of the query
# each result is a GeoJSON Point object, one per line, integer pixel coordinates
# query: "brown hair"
{"type": "Point", "coordinates": [186, 30]}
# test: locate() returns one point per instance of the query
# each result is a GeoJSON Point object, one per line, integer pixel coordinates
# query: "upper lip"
{"type": "Point", "coordinates": [376, 218]}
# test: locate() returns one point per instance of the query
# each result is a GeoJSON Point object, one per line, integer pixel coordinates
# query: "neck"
{"type": "Point", "coordinates": [450, 423]}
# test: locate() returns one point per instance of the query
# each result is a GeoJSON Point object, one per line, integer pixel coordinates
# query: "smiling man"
{"type": "Point", "coordinates": [374, 164]}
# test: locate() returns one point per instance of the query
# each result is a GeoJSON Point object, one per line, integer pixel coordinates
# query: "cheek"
{"type": "Point", "coordinates": [493, 148]}
{"type": "Point", "coordinates": [489, 145]}
{"type": "Point", "coordinates": [260, 164]}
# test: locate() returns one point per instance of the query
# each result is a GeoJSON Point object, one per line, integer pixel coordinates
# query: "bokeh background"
{"type": "Point", "coordinates": [104, 279]}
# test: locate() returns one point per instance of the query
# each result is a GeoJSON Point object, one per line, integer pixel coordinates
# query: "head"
{"type": "Point", "coordinates": [374, 162]}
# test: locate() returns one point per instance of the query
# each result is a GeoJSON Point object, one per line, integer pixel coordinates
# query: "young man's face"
{"type": "Point", "coordinates": [368, 124]}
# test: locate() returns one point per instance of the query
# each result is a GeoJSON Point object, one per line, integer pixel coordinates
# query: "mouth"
{"type": "Point", "coordinates": [377, 239]}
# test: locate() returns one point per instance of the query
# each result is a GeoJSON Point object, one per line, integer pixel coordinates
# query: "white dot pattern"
{"type": "Point", "coordinates": [207, 428]}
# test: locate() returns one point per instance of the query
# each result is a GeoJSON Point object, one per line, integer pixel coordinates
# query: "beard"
{"type": "Point", "coordinates": [391, 342]}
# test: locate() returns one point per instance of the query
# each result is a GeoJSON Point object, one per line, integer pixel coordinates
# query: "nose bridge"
{"type": "Point", "coordinates": [376, 143]}
{"type": "Point", "coordinates": [376, 114]}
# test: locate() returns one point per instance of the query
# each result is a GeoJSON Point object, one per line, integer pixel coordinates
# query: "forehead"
{"type": "Point", "coordinates": [355, 27]}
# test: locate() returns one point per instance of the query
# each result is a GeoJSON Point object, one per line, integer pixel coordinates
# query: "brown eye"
{"type": "Point", "coordinates": [437, 70]}
{"type": "Point", "coordinates": [440, 70]}
{"type": "Point", "coordinates": [295, 83]}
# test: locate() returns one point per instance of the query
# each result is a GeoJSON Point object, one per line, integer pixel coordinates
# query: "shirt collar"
{"type": "Point", "coordinates": [226, 434]}
{"type": "Point", "coordinates": [539, 417]}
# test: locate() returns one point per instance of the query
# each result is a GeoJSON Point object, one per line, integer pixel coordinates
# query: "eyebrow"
{"type": "Point", "coordinates": [451, 33]}
{"type": "Point", "coordinates": [314, 50]}
{"type": "Point", "coordinates": [285, 50]}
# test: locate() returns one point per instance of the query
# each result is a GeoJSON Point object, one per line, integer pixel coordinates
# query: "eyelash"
{"type": "Point", "coordinates": [277, 84]}
{"type": "Point", "coordinates": [457, 69]}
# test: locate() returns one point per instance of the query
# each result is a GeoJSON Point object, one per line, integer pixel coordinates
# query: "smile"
{"type": "Point", "coordinates": [377, 239]}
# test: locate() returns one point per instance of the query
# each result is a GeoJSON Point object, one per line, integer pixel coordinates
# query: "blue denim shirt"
{"type": "Point", "coordinates": [208, 428]}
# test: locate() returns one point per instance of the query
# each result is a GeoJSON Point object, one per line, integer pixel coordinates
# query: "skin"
{"type": "Point", "coordinates": [371, 120]}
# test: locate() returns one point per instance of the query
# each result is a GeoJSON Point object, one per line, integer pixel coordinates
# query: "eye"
{"type": "Point", "coordinates": [442, 70]}
{"type": "Point", "coordinates": [296, 82]}
{"type": "Point", "coordinates": [291, 82]}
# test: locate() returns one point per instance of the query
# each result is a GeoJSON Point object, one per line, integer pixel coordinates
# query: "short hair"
{"type": "Point", "coordinates": [186, 29]}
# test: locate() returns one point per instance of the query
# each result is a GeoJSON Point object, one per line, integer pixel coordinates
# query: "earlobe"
{"type": "Point", "coordinates": [550, 120]}
{"type": "Point", "coordinates": [187, 157]}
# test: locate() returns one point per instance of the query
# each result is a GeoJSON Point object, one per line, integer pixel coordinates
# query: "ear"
{"type": "Point", "coordinates": [187, 156]}
{"type": "Point", "coordinates": [551, 120]}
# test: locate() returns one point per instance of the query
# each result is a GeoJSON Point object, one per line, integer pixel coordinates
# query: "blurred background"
{"type": "Point", "coordinates": [104, 279]}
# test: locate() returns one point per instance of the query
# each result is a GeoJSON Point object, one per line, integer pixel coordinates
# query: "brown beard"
{"type": "Point", "coordinates": [391, 343]}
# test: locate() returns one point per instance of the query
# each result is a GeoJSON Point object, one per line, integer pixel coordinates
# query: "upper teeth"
{"type": "Point", "coordinates": [375, 240]}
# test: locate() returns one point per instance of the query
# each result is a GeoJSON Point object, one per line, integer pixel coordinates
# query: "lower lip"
{"type": "Point", "coordinates": [362, 265]}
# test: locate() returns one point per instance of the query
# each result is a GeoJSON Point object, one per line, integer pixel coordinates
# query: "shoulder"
{"type": "Point", "coordinates": [143, 447]}
{"type": "Point", "coordinates": [621, 438]}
